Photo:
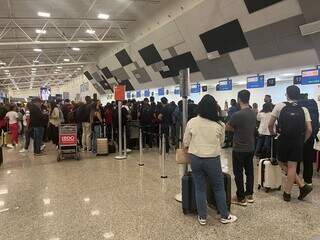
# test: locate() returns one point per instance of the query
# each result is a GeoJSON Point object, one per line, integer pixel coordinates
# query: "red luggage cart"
{"type": "Point", "coordinates": [68, 143]}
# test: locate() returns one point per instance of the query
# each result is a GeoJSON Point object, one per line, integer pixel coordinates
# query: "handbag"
{"type": "Point", "coordinates": [182, 157]}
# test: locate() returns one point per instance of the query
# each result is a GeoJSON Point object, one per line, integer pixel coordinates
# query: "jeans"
{"type": "Point", "coordinates": [27, 136]}
{"type": "Point", "coordinates": [96, 135]}
{"type": "Point", "coordinates": [243, 161]}
{"type": "Point", "coordinates": [211, 168]}
{"type": "Point", "coordinates": [86, 135]}
{"type": "Point", "coordinates": [264, 146]}
{"type": "Point", "coordinates": [308, 156]}
{"type": "Point", "coordinates": [38, 139]}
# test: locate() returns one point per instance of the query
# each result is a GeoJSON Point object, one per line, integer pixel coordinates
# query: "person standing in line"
{"type": "Point", "coordinates": [295, 129]}
{"type": "Point", "coordinates": [203, 138]}
{"type": "Point", "coordinates": [229, 135]}
{"type": "Point", "coordinates": [263, 148]}
{"type": "Point", "coordinates": [26, 128]}
{"type": "Point", "coordinates": [54, 122]}
{"type": "Point", "coordinates": [37, 122]}
{"type": "Point", "coordinates": [84, 117]}
{"type": "Point", "coordinates": [145, 116]}
{"type": "Point", "coordinates": [165, 118]}
{"type": "Point", "coordinates": [243, 124]}
{"type": "Point", "coordinates": [97, 121]}
{"type": "Point", "coordinates": [12, 117]}
{"type": "Point", "coordinates": [267, 99]}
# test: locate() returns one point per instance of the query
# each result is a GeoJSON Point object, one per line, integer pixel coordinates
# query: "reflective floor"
{"type": "Point", "coordinates": [104, 198]}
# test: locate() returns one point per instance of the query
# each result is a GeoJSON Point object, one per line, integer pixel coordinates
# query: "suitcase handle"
{"type": "Point", "coordinates": [272, 159]}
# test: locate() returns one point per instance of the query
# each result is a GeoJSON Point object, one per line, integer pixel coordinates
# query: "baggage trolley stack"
{"type": "Point", "coordinates": [68, 143]}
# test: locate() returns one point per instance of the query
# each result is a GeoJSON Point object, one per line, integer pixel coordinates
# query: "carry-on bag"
{"type": "Point", "coordinates": [102, 143]}
{"type": "Point", "coordinates": [269, 173]}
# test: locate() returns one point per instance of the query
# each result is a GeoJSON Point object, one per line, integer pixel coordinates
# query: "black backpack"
{"type": "Point", "coordinates": [312, 107]}
{"type": "Point", "coordinates": [292, 122]}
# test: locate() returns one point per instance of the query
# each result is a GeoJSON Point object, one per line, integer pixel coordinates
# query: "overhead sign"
{"type": "Point", "coordinates": [160, 91]}
{"type": "Point", "coordinates": [147, 93]}
{"type": "Point", "coordinates": [119, 92]}
{"type": "Point", "coordinates": [297, 80]}
{"type": "Point", "coordinates": [225, 85]}
{"type": "Point", "coordinates": [255, 81]}
{"type": "Point", "coordinates": [128, 95]}
{"type": "Point", "coordinates": [196, 88]}
{"type": "Point", "coordinates": [138, 94]}
{"type": "Point", "coordinates": [176, 90]}
{"type": "Point", "coordinates": [310, 76]}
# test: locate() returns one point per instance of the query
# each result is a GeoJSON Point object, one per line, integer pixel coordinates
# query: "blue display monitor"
{"type": "Point", "coordinates": [255, 82]}
{"type": "Point", "coordinates": [225, 85]}
{"type": "Point", "coordinates": [147, 93]}
{"type": "Point", "coordinates": [128, 95]}
{"type": "Point", "coordinates": [196, 88]}
{"type": "Point", "coordinates": [177, 90]}
{"type": "Point", "coordinates": [138, 94]}
{"type": "Point", "coordinates": [161, 91]}
{"type": "Point", "coordinates": [310, 76]}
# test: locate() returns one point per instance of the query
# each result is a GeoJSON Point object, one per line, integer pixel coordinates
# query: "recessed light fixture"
{"type": "Point", "coordinates": [40, 31]}
{"type": "Point", "coordinates": [6, 70]}
{"type": "Point", "coordinates": [79, 69]}
{"type": "Point", "coordinates": [90, 31]}
{"type": "Point", "coordinates": [66, 60]}
{"type": "Point", "coordinates": [59, 67]}
{"type": "Point", "coordinates": [33, 69]}
{"type": "Point", "coordinates": [35, 61]}
{"type": "Point", "coordinates": [44, 14]}
{"type": "Point", "coordinates": [37, 50]}
{"type": "Point", "coordinates": [288, 74]}
{"type": "Point", "coordinates": [2, 64]}
{"type": "Point", "coordinates": [76, 49]}
{"type": "Point", "coordinates": [81, 66]}
{"type": "Point", "coordinates": [103, 16]}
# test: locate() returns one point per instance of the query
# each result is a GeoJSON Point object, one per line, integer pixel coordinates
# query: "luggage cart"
{"type": "Point", "coordinates": [68, 143]}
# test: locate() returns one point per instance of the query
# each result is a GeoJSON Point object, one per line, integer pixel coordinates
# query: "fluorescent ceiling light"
{"type": "Point", "coordinates": [44, 14]}
{"type": "Point", "coordinates": [2, 64]}
{"type": "Point", "coordinates": [40, 31]}
{"type": "Point", "coordinates": [66, 60]}
{"type": "Point", "coordinates": [37, 50]}
{"type": "Point", "coordinates": [103, 16]}
{"type": "Point", "coordinates": [35, 61]}
{"type": "Point", "coordinates": [33, 69]}
{"type": "Point", "coordinates": [6, 70]}
{"type": "Point", "coordinates": [59, 67]}
{"type": "Point", "coordinates": [288, 74]}
{"type": "Point", "coordinates": [90, 31]}
{"type": "Point", "coordinates": [78, 68]}
{"type": "Point", "coordinates": [76, 49]}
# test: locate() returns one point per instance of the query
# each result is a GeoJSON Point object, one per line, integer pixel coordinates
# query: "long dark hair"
{"type": "Point", "coordinates": [208, 108]}
{"type": "Point", "coordinates": [267, 107]}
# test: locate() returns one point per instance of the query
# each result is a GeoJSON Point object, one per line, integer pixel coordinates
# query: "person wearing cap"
{"type": "Point", "coordinates": [37, 123]}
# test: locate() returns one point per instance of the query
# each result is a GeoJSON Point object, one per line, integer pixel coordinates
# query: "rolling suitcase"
{"type": "Point", "coordinates": [188, 195]}
{"type": "Point", "coordinates": [102, 144]}
{"type": "Point", "coordinates": [269, 173]}
{"type": "Point", "coordinates": [189, 205]}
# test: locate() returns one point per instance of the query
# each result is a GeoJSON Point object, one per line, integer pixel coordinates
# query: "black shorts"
{"type": "Point", "coordinates": [289, 150]}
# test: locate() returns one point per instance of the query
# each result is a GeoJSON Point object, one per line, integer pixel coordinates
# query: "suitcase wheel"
{"type": "Point", "coordinates": [279, 188]}
{"type": "Point", "coordinates": [268, 190]}
{"type": "Point", "coordinates": [259, 187]}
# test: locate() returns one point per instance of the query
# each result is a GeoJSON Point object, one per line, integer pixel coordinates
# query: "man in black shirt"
{"type": "Point", "coordinates": [83, 116]}
{"type": "Point", "coordinates": [165, 118]}
{"type": "Point", "coordinates": [37, 123]}
{"type": "Point", "coordinates": [146, 117]}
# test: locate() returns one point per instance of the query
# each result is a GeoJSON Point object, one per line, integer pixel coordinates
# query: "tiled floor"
{"type": "Point", "coordinates": [104, 198]}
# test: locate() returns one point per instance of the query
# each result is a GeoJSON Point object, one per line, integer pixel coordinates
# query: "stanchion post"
{"type": "Point", "coordinates": [160, 143]}
{"type": "Point", "coordinates": [120, 156]}
{"type": "Point", "coordinates": [112, 133]}
{"type": "Point", "coordinates": [125, 141]}
{"type": "Point", "coordinates": [140, 149]}
{"type": "Point", "coordinates": [163, 157]}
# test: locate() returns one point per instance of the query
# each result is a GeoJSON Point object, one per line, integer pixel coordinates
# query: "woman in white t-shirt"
{"type": "Point", "coordinates": [12, 116]}
{"type": "Point", "coordinates": [263, 147]}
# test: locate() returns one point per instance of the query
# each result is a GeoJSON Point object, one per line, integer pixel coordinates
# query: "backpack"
{"type": "Point", "coordinates": [292, 122]}
{"type": "Point", "coordinates": [312, 107]}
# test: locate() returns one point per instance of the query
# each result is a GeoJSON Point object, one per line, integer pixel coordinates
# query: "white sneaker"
{"type": "Point", "coordinates": [42, 147]}
{"type": "Point", "coordinates": [202, 221]}
{"type": "Point", "coordinates": [23, 150]}
{"type": "Point", "coordinates": [10, 146]}
{"type": "Point", "coordinates": [230, 219]}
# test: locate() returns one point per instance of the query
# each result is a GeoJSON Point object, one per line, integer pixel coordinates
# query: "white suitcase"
{"type": "Point", "coordinates": [269, 173]}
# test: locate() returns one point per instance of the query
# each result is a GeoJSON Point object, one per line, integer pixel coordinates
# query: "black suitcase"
{"type": "Point", "coordinates": [227, 186]}
{"type": "Point", "coordinates": [112, 147]}
{"type": "Point", "coordinates": [189, 197]}
{"type": "Point", "coordinates": [1, 155]}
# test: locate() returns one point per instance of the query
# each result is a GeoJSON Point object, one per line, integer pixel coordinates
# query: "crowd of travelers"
{"type": "Point", "coordinates": [245, 128]}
